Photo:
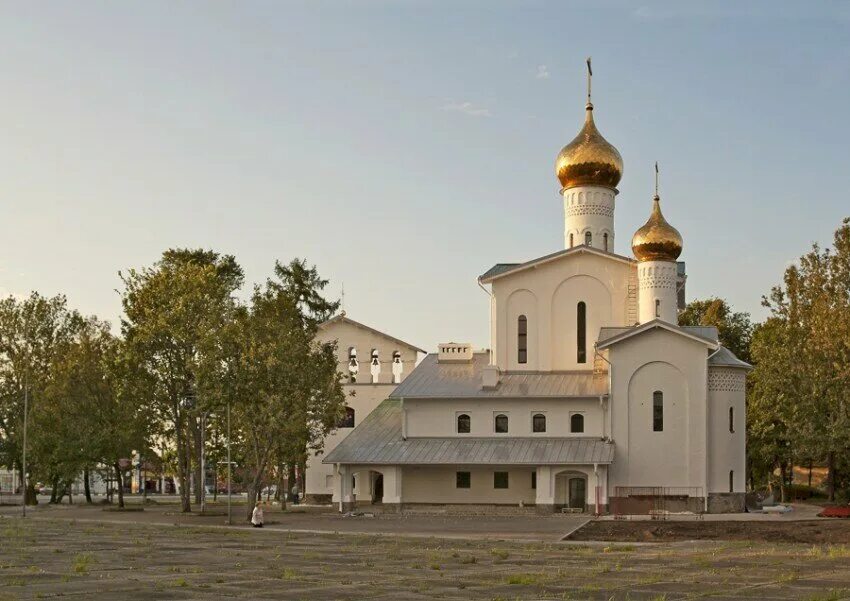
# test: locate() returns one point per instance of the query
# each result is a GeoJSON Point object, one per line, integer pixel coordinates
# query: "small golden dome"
{"type": "Point", "coordinates": [657, 240]}
{"type": "Point", "coordinates": [589, 160]}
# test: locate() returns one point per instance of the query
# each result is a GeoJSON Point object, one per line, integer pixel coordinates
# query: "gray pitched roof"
{"type": "Point", "coordinates": [609, 336]}
{"type": "Point", "coordinates": [500, 269]}
{"type": "Point", "coordinates": [432, 379]}
{"type": "Point", "coordinates": [342, 317]}
{"type": "Point", "coordinates": [723, 357]}
{"type": "Point", "coordinates": [377, 441]}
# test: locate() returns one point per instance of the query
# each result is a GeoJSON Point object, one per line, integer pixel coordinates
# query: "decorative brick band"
{"type": "Point", "coordinates": [726, 380]}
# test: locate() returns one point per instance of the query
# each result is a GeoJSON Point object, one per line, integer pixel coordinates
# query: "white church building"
{"type": "Point", "coordinates": [591, 397]}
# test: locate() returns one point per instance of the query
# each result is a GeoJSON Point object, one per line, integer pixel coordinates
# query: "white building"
{"type": "Point", "coordinates": [591, 397]}
{"type": "Point", "coordinates": [373, 363]}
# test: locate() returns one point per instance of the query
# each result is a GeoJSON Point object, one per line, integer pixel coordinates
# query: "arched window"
{"type": "Point", "coordinates": [571, 240]}
{"type": "Point", "coordinates": [732, 419]}
{"type": "Point", "coordinates": [657, 307]}
{"type": "Point", "coordinates": [538, 423]}
{"type": "Point", "coordinates": [375, 366]}
{"type": "Point", "coordinates": [353, 366]}
{"type": "Point", "coordinates": [605, 241]}
{"type": "Point", "coordinates": [500, 424]}
{"type": "Point", "coordinates": [464, 424]}
{"type": "Point", "coordinates": [657, 411]}
{"type": "Point", "coordinates": [348, 420]}
{"type": "Point", "coordinates": [522, 339]}
{"type": "Point", "coordinates": [731, 481]}
{"type": "Point", "coordinates": [398, 367]}
{"type": "Point", "coordinates": [588, 238]}
{"type": "Point", "coordinates": [576, 423]}
{"type": "Point", "coordinates": [581, 332]}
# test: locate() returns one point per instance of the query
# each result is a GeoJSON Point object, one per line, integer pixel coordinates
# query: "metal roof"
{"type": "Point", "coordinates": [609, 336]}
{"type": "Point", "coordinates": [377, 441]}
{"type": "Point", "coordinates": [432, 379]}
{"type": "Point", "coordinates": [500, 269]}
{"type": "Point", "coordinates": [723, 357]}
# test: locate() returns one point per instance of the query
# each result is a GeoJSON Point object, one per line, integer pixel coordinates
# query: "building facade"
{"type": "Point", "coordinates": [591, 396]}
{"type": "Point", "coordinates": [372, 364]}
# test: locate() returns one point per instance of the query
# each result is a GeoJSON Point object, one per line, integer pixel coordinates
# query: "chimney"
{"type": "Point", "coordinates": [455, 352]}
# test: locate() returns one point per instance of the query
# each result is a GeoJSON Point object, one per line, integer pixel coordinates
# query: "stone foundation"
{"type": "Point", "coordinates": [644, 505]}
{"type": "Point", "coordinates": [726, 502]}
{"type": "Point", "coordinates": [543, 509]}
{"type": "Point", "coordinates": [348, 506]}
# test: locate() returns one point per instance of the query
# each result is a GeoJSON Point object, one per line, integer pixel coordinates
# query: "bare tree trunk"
{"type": "Point", "coordinates": [810, 472]}
{"type": "Point", "coordinates": [120, 483]}
{"type": "Point", "coordinates": [54, 489]}
{"type": "Point", "coordinates": [69, 487]}
{"type": "Point", "coordinates": [255, 489]}
{"type": "Point", "coordinates": [830, 476]}
{"type": "Point", "coordinates": [182, 463]}
{"type": "Point", "coordinates": [87, 485]}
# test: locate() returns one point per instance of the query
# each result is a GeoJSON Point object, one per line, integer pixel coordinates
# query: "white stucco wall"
{"type": "Point", "coordinates": [438, 417]}
{"type": "Point", "coordinates": [677, 366]}
{"type": "Point", "coordinates": [727, 450]}
{"type": "Point", "coordinates": [438, 484]}
{"type": "Point", "coordinates": [319, 478]}
{"type": "Point", "coordinates": [589, 209]}
{"type": "Point", "coordinates": [549, 295]}
{"type": "Point", "coordinates": [657, 284]}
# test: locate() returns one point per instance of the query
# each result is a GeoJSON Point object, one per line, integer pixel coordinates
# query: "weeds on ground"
{"type": "Point", "coordinates": [526, 579]}
{"type": "Point", "coordinates": [499, 553]}
{"type": "Point", "coordinates": [82, 562]}
{"type": "Point", "coordinates": [835, 594]}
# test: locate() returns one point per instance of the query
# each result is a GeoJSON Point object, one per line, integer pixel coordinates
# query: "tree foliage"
{"type": "Point", "coordinates": [734, 329]}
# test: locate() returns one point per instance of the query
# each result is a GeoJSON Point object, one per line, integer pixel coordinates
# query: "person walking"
{"type": "Point", "coordinates": [257, 516]}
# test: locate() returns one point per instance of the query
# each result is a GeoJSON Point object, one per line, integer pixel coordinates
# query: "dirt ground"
{"type": "Point", "coordinates": [834, 531]}
{"type": "Point", "coordinates": [46, 558]}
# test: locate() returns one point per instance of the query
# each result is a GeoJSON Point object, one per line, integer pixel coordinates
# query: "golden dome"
{"type": "Point", "coordinates": [657, 240]}
{"type": "Point", "coordinates": [589, 160]}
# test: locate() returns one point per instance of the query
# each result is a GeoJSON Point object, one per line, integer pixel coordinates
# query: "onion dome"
{"type": "Point", "coordinates": [589, 160]}
{"type": "Point", "coordinates": [657, 240]}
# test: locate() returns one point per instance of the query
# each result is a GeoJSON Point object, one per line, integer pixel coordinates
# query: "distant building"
{"type": "Point", "coordinates": [591, 398]}
{"type": "Point", "coordinates": [373, 364]}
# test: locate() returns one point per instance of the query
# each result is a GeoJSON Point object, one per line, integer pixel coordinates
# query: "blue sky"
{"type": "Point", "coordinates": [404, 147]}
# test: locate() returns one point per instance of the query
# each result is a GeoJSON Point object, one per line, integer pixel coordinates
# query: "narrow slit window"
{"type": "Point", "coordinates": [732, 419]}
{"type": "Point", "coordinates": [581, 332]}
{"type": "Point", "coordinates": [588, 238]}
{"type": "Point", "coordinates": [533, 480]}
{"type": "Point", "coordinates": [522, 339]}
{"type": "Point", "coordinates": [657, 307]}
{"type": "Point", "coordinates": [731, 481]}
{"type": "Point", "coordinates": [657, 411]}
{"type": "Point", "coordinates": [571, 240]}
{"type": "Point", "coordinates": [605, 241]}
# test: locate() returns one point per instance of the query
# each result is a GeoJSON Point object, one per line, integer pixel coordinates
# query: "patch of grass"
{"type": "Point", "coordinates": [181, 582]}
{"type": "Point", "coordinates": [435, 566]}
{"type": "Point", "coordinates": [82, 562]}
{"type": "Point", "coordinates": [469, 559]}
{"type": "Point", "coordinates": [288, 574]}
{"type": "Point", "coordinates": [499, 553]}
{"type": "Point", "coordinates": [525, 579]}
{"type": "Point", "coordinates": [834, 594]}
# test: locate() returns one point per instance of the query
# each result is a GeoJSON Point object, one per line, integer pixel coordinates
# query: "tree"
{"type": "Point", "coordinates": [285, 387]}
{"type": "Point", "coordinates": [735, 329]}
{"type": "Point", "coordinates": [94, 416]}
{"type": "Point", "coordinates": [175, 314]}
{"type": "Point", "coordinates": [810, 379]}
{"type": "Point", "coordinates": [32, 332]}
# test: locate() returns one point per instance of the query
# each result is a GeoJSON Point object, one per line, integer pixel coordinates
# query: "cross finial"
{"type": "Point", "coordinates": [589, 76]}
{"type": "Point", "coordinates": [342, 299]}
{"type": "Point", "coordinates": [656, 179]}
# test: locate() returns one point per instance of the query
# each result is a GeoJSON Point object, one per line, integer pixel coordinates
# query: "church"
{"type": "Point", "coordinates": [591, 398]}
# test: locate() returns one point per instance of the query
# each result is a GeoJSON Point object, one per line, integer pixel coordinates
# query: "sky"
{"type": "Point", "coordinates": [405, 147]}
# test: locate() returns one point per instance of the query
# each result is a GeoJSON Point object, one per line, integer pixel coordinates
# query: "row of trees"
{"type": "Point", "coordinates": [798, 401]}
{"type": "Point", "coordinates": [188, 347]}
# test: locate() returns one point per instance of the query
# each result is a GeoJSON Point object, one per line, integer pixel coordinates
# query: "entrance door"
{"type": "Point", "coordinates": [378, 489]}
{"type": "Point", "coordinates": [578, 493]}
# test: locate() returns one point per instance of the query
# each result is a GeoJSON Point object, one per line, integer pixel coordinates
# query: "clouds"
{"type": "Point", "coordinates": [542, 72]}
{"type": "Point", "coordinates": [467, 108]}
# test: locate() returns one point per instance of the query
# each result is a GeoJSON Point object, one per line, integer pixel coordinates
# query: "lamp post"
{"type": "Point", "coordinates": [24, 458]}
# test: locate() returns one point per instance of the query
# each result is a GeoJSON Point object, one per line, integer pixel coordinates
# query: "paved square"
{"type": "Point", "coordinates": [46, 557]}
